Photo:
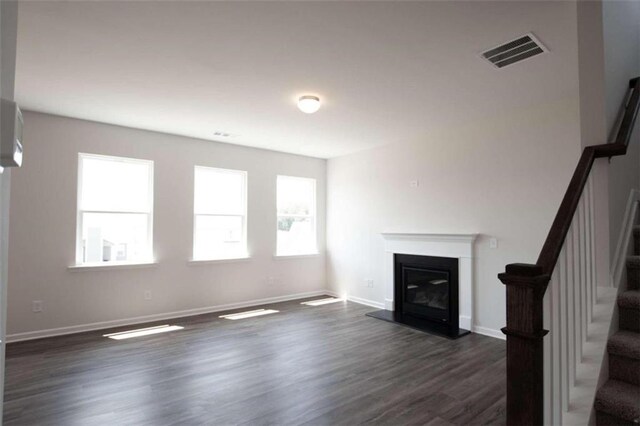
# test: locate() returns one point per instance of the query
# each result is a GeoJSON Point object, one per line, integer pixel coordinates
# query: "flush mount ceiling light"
{"type": "Point", "coordinates": [309, 104]}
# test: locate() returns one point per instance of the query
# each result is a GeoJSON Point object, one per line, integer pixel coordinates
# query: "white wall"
{"type": "Point", "coordinates": [621, 31]}
{"type": "Point", "coordinates": [496, 179]}
{"type": "Point", "coordinates": [501, 177]}
{"type": "Point", "coordinates": [43, 229]}
{"type": "Point", "coordinates": [8, 36]}
{"type": "Point", "coordinates": [593, 126]}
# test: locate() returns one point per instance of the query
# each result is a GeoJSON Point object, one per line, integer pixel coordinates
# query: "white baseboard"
{"type": "Point", "coordinates": [489, 332]}
{"type": "Point", "coordinates": [465, 322]}
{"type": "Point", "coordinates": [332, 293]}
{"type": "Point", "coordinates": [365, 302]}
{"type": "Point", "coordinates": [624, 238]}
{"type": "Point", "coordinates": [51, 332]}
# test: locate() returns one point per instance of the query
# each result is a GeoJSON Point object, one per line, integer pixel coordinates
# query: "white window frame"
{"type": "Point", "coordinates": [243, 216]}
{"type": "Point", "coordinates": [314, 216]}
{"type": "Point", "coordinates": [80, 212]}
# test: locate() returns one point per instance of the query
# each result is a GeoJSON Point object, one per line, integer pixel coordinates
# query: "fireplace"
{"type": "Point", "coordinates": [439, 275]}
{"type": "Point", "coordinates": [426, 291]}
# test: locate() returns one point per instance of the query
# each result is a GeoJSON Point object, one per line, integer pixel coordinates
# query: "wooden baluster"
{"type": "Point", "coordinates": [547, 345]}
{"type": "Point", "coordinates": [570, 306]}
{"type": "Point", "coordinates": [583, 272]}
{"type": "Point", "coordinates": [594, 280]}
{"type": "Point", "coordinates": [564, 331]}
{"type": "Point", "coordinates": [577, 312]}
{"type": "Point", "coordinates": [587, 243]}
{"type": "Point", "coordinates": [556, 339]}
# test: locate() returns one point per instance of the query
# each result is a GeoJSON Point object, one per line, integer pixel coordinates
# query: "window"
{"type": "Point", "coordinates": [115, 210]}
{"type": "Point", "coordinates": [220, 214]}
{"type": "Point", "coordinates": [296, 216]}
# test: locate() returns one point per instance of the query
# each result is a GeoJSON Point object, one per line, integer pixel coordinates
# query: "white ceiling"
{"type": "Point", "coordinates": [385, 71]}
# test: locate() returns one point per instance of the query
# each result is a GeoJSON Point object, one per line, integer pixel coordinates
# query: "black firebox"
{"type": "Point", "coordinates": [425, 295]}
{"type": "Point", "coordinates": [426, 287]}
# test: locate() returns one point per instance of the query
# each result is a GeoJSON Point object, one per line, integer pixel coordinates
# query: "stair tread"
{"type": "Point", "coordinates": [629, 299]}
{"type": "Point", "coordinates": [625, 343]}
{"type": "Point", "coordinates": [619, 399]}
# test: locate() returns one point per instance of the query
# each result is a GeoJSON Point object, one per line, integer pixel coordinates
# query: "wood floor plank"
{"type": "Point", "coordinates": [324, 365]}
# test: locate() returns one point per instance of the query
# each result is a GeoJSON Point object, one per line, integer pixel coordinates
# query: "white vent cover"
{"type": "Point", "coordinates": [514, 51]}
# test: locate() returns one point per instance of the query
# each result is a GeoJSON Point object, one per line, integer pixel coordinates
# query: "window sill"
{"type": "Point", "coordinates": [199, 262]}
{"type": "Point", "coordinates": [101, 267]}
{"type": "Point", "coordinates": [295, 256]}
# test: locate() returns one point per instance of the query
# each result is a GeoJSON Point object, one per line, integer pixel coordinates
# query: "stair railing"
{"type": "Point", "coordinates": [540, 377]}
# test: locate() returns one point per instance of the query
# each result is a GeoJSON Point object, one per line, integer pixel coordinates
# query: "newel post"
{"type": "Point", "coordinates": [526, 285]}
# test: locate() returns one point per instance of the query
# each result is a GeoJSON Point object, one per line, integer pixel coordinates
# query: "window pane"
{"type": "Point", "coordinates": [115, 185]}
{"type": "Point", "coordinates": [115, 237]}
{"type": "Point", "coordinates": [219, 191]}
{"type": "Point", "coordinates": [296, 196]}
{"type": "Point", "coordinates": [296, 235]}
{"type": "Point", "coordinates": [218, 237]}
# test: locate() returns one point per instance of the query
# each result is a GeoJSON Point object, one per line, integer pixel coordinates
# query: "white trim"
{"type": "Point", "coordinates": [313, 213]}
{"type": "Point", "coordinates": [80, 212]}
{"type": "Point", "coordinates": [458, 246]}
{"type": "Point", "coordinates": [30, 335]}
{"type": "Point", "coordinates": [111, 265]}
{"type": "Point", "coordinates": [295, 256]}
{"type": "Point", "coordinates": [464, 322]}
{"type": "Point", "coordinates": [463, 238]}
{"type": "Point", "coordinates": [201, 262]}
{"type": "Point", "coordinates": [624, 238]}
{"type": "Point", "coordinates": [497, 334]}
{"type": "Point", "coordinates": [244, 214]}
{"type": "Point", "coordinates": [365, 302]}
{"type": "Point", "coordinates": [335, 294]}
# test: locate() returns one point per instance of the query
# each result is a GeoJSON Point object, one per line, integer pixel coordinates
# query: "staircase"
{"type": "Point", "coordinates": [618, 400]}
{"type": "Point", "coordinates": [550, 306]}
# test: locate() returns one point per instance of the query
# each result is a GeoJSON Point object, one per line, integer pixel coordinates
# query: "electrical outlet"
{"type": "Point", "coordinates": [271, 281]}
{"type": "Point", "coordinates": [414, 183]}
{"type": "Point", "coordinates": [147, 295]}
{"type": "Point", "coordinates": [36, 306]}
{"type": "Point", "coordinates": [493, 243]}
{"type": "Point", "coordinates": [368, 283]}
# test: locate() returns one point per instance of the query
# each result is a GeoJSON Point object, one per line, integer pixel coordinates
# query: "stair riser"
{"type": "Point", "coordinates": [624, 369]}
{"type": "Point", "coordinates": [633, 277]}
{"type": "Point", "coordinates": [604, 419]}
{"type": "Point", "coordinates": [629, 319]}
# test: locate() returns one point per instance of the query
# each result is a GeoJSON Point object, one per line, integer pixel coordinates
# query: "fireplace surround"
{"type": "Point", "coordinates": [458, 247]}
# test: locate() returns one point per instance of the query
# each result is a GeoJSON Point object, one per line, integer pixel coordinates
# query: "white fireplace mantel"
{"type": "Point", "coordinates": [459, 246]}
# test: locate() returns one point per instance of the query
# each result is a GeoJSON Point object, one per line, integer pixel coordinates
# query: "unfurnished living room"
{"type": "Point", "coordinates": [320, 212]}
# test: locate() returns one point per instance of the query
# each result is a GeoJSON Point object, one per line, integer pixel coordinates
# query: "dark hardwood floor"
{"type": "Point", "coordinates": [325, 365]}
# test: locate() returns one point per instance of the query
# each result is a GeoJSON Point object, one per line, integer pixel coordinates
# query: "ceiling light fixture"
{"type": "Point", "coordinates": [309, 104]}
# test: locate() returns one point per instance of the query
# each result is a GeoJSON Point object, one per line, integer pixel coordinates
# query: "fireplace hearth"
{"type": "Point", "coordinates": [425, 294]}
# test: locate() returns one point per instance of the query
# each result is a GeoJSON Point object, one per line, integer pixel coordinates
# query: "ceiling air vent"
{"type": "Point", "coordinates": [514, 51]}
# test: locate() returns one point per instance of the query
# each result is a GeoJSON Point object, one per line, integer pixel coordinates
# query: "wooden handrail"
{"type": "Point", "coordinates": [526, 284]}
{"type": "Point", "coordinates": [562, 222]}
